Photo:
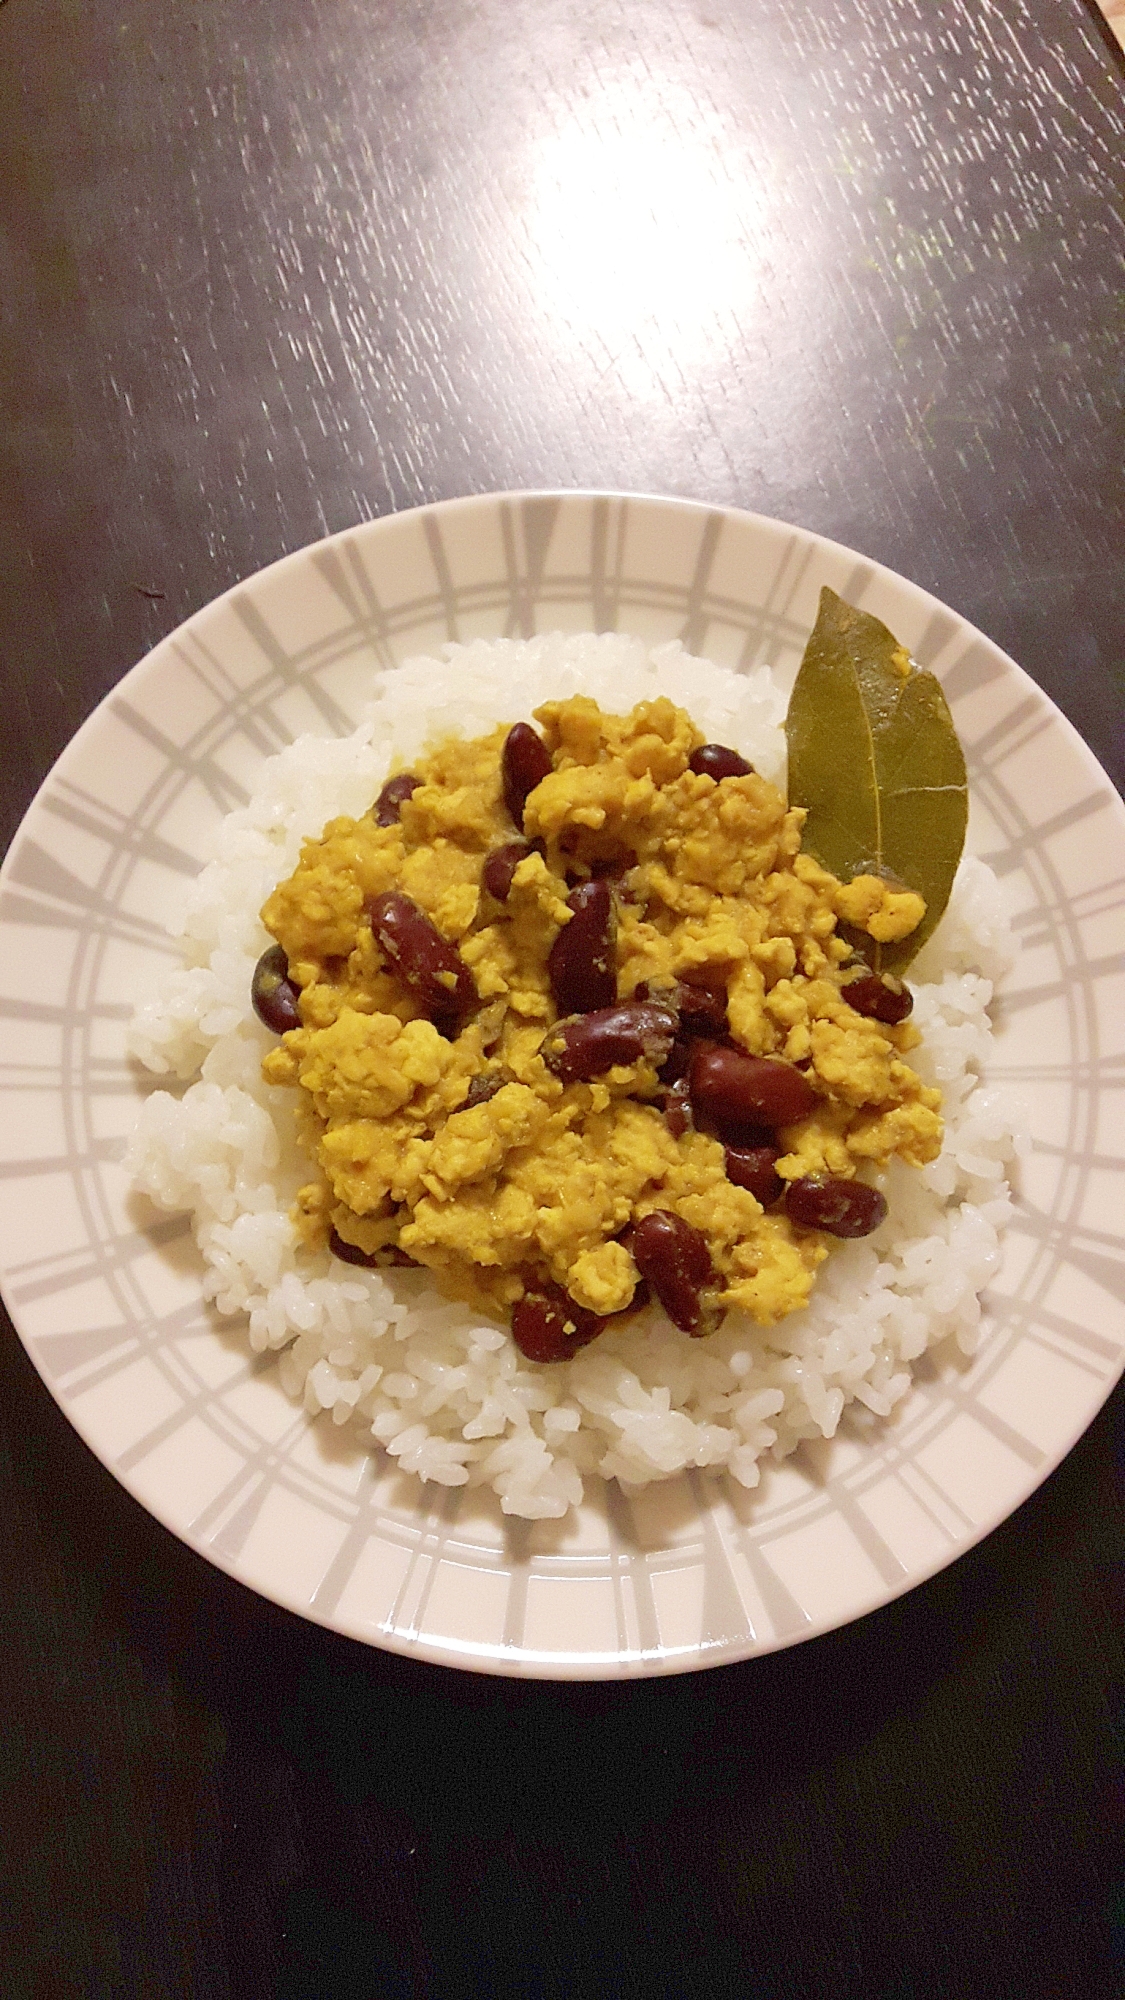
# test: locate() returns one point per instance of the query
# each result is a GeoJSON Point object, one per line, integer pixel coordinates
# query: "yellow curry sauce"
{"type": "Point", "coordinates": [543, 1179]}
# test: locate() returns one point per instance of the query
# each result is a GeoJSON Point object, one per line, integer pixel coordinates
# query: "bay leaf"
{"type": "Point", "coordinates": [874, 759]}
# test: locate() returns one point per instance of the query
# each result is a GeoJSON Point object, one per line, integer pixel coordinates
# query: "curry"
{"type": "Point", "coordinates": [576, 1024]}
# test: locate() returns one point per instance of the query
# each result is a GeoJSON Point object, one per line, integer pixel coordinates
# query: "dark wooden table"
{"type": "Point", "coordinates": [270, 267]}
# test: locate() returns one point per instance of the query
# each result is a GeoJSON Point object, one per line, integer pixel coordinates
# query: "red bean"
{"type": "Point", "coordinates": [425, 960]}
{"type": "Point", "coordinates": [674, 1258]}
{"type": "Point", "coordinates": [613, 865]}
{"type": "Point", "coordinates": [677, 1062]}
{"type": "Point", "coordinates": [878, 995]}
{"type": "Point", "coordinates": [747, 1137]}
{"type": "Point", "coordinates": [388, 806]}
{"type": "Point", "coordinates": [677, 1108]}
{"type": "Point", "coordinates": [736, 1090]}
{"type": "Point", "coordinates": [371, 1260]}
{"type": "Point", "coordinates": [524, 763]}
{"type": "Point", "coordinates": [273, 994]}
{"type": "Point", "coordinates": [350, 1253]}
{"type": "Point", "coordinates": [548, 1326]}
{"type": "Point", "coordinates": [582, 960]}
{"type": "Point", "coordinates": [501, 865]}
{"type": "Point", "coordinates": [753, 1167]}
{"type": "Point", "coordinates": [714, 760]}
{"type": "Point", "coordinates": [839, 1207]}
{"type": "Point", "coordinates": [586, 1045]}
{"type": "Point", "coordinates": [702, 999]}
{"type": "Point", "coordinates": [482, 1087]}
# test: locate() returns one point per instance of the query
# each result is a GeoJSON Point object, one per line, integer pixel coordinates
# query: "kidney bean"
{"type": "Point", "coordinates": [677, 1108]}
{"type": "Point", "coordinates": [524, 763]}
{"type": "Point", "coordinates": [586, 1045]}
{"type": "Point", "coordinates": [273, 994]}
{"type": "Point", "coordinates": [674, 1258]}
{"type": "Point", "coordinates": [677, 1062]}
{"type": "Point", "coordinates": [698, 997]}
{"type": "Point", "coordinates": [702, 1000]}
{"type": "Point", "coordinates": [714, 760]}
{"type": "Point", "coordinates": [747, 1137]}
{"type": "Point", "coordinates": [371, 1260]}
{"type": "Point", "coordinates": [482, 1087]}
{"type": "Point", "coordinates": [581, 962]}
{"type": "Point", "coordinates": [736, 1090]}
{"type": "Point", "coordinates": [839, 1207]}
{"type": "Point", "coordinates": [432, 967]}
{"type": "Point", "coordinates": [501, 865]}
{"type": "Point", "coordinates": [613, 865]}
{"type": "Point", "coordinates": [388, 806]}
{"type": "Point", "coordinates": [350, 1253]}
{"type": "Point", "coordinates": [878, 995]}
{"type": "Point", "coordinates": [753, 1167]}
{"type": "Point", "coordinates": [548, 1326]}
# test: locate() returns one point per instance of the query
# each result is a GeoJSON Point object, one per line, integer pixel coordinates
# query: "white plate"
{"type": "Point", "coordinates": [106, 1295]}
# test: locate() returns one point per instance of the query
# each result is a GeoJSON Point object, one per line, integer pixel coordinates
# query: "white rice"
{"type": "Point", "coordinates": [441, 1389]}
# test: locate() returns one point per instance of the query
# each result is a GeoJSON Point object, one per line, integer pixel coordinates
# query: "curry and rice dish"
{"type": "Point", "coordinates": [577, 1026]}
{"type": "Point", "coordinates": [547, 1098]}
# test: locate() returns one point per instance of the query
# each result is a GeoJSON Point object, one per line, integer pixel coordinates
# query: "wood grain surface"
{"type": "Point", "coordinates": [269, 268]}
{"type": "Point", "coordinates": [1114, 11]}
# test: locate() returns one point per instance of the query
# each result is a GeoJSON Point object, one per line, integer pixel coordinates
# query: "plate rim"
{"type": "Point", "coordinates": [522, 1663]}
